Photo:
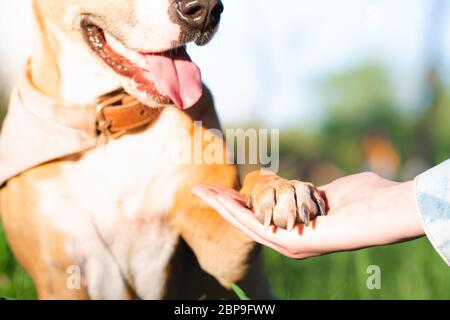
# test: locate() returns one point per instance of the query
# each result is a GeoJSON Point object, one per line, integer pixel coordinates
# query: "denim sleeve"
{"type": "Point", "coordinates": [432, 190]}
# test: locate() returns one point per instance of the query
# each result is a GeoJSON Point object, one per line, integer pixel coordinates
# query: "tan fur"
{"type": "Point", "coordinates": [37, 245]}
{"type": "Point", "coordinates": [41, 207]}
{"type": "Point", "coordinates": [45, 62]}
{"type": "Point", "coordinates": [221, 250]}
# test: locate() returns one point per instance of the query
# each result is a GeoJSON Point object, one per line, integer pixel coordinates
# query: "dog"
{"type": "Point", "coordinates": [92, 203]}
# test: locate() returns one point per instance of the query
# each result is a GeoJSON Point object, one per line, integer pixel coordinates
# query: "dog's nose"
{"type": "Point", "coordinates": [200, 15]}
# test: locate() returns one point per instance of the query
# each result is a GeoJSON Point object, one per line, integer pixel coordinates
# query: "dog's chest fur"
{"type": "Point", "coordinates": [122, 191]}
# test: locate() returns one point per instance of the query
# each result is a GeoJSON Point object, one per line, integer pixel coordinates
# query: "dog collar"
{"type": "Point", "coordinates": [38, 129]}
{"type": "Point", "coordinates": [118, 113]}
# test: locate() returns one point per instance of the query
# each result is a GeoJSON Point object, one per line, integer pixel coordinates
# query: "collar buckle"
{"type": "Point", "coordinates": [104, 125]}
{"type": "Point", "coordinates": [118, 113]}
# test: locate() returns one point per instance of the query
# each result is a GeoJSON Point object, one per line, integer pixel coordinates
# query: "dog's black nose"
{"type": "Point", "coordinates": [200, 15]}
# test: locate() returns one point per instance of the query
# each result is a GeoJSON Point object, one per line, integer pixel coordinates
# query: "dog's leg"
{"type": "Point", "coordinates": [37, 245]}
{"type": "Point", "coordinates": [53, 238]}
{"type": "Point", "coordinates": [221, 250]}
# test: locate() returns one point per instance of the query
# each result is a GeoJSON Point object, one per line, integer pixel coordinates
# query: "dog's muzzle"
{"type": "Point", "coordinates": [199, 17]}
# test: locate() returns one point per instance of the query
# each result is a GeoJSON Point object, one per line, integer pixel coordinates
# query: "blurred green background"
{"type": "Point", "coordinates": [362, 127]}
{"type": "Point", "coordinates": [364, 130]}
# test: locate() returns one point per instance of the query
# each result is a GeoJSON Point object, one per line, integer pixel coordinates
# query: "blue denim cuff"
{"type": "Point", "coordinates": [432, 190]}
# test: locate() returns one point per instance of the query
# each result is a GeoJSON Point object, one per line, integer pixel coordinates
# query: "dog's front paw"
{"type": "Point", "coordinates": [285, 203]}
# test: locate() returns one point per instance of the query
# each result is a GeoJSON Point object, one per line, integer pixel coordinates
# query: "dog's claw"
{"type": "Point", "coordinates": [318, 201]}
{"type": "Point", "coordinates": [249, 203]}
{"type": "Point", "coordinates": [268, 213]}
{"type": "Point", "coordinates": [291, 219]}
{"type": "Point", "coordinates": [322, 206]}
{"type": "Point", "coordinates": [305, 215]}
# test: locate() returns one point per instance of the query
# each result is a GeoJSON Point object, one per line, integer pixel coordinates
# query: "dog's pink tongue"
{"type": "Point", "coordinates": [177, 77]}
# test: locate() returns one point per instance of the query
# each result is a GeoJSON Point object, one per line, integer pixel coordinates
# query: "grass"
{"type": "Point", "coordinates": [409, 271]}
{"type": "Point", "coordinates": [239, 293]}
{"type": "Point", "coordinates": [14, 282]}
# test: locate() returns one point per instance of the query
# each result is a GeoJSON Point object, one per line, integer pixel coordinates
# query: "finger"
{"type": "Point", "coordinates": [248, 221]}
{"type": "Point", "coordinates": [234, 222]}
{"type": "Point", "coordinates": [281, 241]}
{"type": "Point", "coordinates": [205, 193]}
{"type": "Point", "coordinates": [210, 197]}
{"type": "Point", "coordinates": [323, 188]}
{"type": "Point", "coordinates": [223, 190]}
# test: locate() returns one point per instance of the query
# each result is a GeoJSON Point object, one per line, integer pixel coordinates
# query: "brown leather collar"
{"type": "Point", "coordinates": [119, 113]}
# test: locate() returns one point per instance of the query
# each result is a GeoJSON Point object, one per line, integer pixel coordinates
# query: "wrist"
{"type": "Point", "coordinates": [405, 222]}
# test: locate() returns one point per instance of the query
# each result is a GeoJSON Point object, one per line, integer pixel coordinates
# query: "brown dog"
{"type": "Point", "coordinates": [91, 189]}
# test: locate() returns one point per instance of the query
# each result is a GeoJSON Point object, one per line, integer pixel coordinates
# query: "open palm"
{"type": "Point", "coordinates": [364, 210]}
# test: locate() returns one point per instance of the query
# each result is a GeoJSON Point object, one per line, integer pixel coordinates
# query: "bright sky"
{"type": "Point", "coordinates": [266, 58]}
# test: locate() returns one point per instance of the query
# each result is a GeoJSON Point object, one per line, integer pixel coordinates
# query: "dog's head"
{"type": "Point", "coordinates": [143, 41]}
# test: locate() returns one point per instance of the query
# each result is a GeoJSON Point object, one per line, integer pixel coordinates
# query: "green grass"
{"type": "Point", "coordinates": [14, 282]}
{"type": "Point", "coordinates": [409, 271]}
{"type": "Point", "coordinates": [239, 293]}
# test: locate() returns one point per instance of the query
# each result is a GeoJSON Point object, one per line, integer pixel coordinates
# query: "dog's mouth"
{"type": "Point", "coordinates": [168, 77]}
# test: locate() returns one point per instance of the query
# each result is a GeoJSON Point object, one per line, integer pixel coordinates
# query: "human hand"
{"type": "Point", "coordinates": [364, 211]}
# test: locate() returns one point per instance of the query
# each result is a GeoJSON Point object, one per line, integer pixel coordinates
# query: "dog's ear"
{"type": "Point", "coordinates": [51, 10]}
